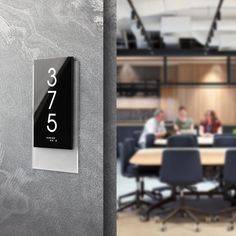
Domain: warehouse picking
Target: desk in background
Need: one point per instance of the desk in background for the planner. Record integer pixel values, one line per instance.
(202, 141)
(153, 156)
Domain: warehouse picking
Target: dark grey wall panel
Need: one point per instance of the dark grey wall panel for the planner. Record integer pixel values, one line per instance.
(110, 118)
(39, 202)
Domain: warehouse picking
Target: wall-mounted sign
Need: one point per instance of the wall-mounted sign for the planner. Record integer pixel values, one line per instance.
(53, 103)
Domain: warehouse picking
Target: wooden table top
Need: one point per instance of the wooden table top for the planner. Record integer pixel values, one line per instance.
(201, 141)
(153, 156)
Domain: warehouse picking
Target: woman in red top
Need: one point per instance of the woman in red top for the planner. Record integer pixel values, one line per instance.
(210, 125)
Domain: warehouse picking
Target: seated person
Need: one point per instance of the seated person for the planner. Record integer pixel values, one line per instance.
(210, 125)
(183, 122)
(154, 125)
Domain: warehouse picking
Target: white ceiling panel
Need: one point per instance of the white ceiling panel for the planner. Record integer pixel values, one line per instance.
(176, 19)
(175, 24)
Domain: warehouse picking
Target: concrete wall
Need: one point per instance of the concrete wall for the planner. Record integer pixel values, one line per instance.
(36, 202)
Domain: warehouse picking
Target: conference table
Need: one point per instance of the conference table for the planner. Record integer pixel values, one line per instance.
(153, 156)
(202, 141)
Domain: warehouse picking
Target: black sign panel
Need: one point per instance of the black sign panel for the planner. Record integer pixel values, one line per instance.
(53, 103)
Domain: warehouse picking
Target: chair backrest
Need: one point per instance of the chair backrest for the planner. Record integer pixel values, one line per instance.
(223, 135)
(150, 139)
(224, 141)
(181, 167)
(230, 167)
(136, 136)
(126, 151)
(182, 141)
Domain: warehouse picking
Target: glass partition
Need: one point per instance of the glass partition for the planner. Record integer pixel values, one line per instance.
(139, 76)
(139, 69)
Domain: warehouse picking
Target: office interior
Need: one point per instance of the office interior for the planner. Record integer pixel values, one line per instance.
(172, 54)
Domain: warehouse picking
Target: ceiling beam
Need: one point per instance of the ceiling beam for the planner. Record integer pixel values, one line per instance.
(173, 52)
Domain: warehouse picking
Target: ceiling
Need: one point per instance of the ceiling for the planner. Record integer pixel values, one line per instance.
(178, 20)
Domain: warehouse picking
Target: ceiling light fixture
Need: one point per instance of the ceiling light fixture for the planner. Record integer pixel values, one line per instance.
(133, 15)
(217, 17)
(140, 25)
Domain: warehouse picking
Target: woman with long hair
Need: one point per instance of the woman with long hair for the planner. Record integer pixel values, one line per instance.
(210, 125)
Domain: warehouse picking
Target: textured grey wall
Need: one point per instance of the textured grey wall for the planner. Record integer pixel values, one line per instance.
(40, 202)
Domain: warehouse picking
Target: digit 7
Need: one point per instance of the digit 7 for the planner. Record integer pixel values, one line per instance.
(53, 97)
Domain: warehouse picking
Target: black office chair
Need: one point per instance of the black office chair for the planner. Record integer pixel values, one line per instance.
(229, 177)
(221, 141)
(150, 140)
(181, 169)
(127, 150)
(180, 141)
(224, 141)
(136, 136)
(222, 135)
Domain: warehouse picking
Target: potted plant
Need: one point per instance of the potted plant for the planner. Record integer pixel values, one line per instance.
(234, 132)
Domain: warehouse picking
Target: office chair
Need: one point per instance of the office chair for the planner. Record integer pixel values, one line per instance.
(178, 141)
(150, 139)
(221, 141)
(136, 136)
(181, 169)
(222, 135)
(229, 177)
(224, 141)
(126, 150)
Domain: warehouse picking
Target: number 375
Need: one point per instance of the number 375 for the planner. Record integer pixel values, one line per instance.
(52, 124)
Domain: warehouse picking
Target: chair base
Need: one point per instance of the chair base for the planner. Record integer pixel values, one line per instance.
(228, 210)
(139, 195)
(232, 220)
(137, 203)
(146, 215)
(185, 210)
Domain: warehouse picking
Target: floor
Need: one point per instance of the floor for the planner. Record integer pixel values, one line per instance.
(128, 223)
